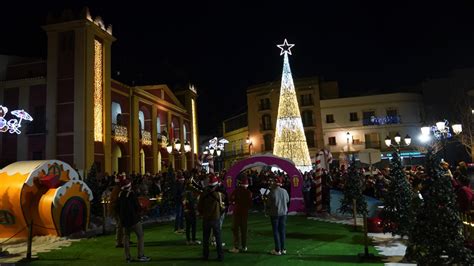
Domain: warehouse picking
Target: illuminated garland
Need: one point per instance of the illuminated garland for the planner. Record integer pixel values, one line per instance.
(12, 125)
(146, 138)
(290, 140)
(193, 114)
(120, 134)
(98, 91)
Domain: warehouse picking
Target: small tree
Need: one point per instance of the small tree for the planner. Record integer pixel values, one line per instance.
(397, 215)
(93, 182)
(353, 191)
(436, 237)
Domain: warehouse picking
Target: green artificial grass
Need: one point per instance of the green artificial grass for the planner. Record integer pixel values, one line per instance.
(308, 242)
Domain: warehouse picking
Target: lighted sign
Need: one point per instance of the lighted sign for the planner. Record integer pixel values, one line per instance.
(13, 125)
(384, 120)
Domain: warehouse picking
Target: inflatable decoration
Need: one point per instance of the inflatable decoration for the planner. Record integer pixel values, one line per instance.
(296, 179)
(48, 194)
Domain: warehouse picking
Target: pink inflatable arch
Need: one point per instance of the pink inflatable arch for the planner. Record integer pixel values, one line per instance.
(296, 200)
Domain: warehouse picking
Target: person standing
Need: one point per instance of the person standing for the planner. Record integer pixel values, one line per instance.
(225, 204)
(241, 197)
(308, 200)
(113, 206)
(128, 210)
(277, 208)
(209, 206)
(179, 219)
(190, 208)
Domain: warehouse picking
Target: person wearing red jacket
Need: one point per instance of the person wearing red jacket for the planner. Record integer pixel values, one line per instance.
(241, 197)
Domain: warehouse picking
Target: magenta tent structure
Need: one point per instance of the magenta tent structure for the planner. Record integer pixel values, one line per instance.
(296, 194)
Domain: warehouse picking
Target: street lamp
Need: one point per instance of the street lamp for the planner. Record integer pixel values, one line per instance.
(177, 145)
(187, 146)
(441, 132)
(348, 138)
(398, 140)
(249, 142)
(169, 148)
(211, 149)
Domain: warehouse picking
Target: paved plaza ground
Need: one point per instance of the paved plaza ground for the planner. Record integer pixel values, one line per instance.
(309, 242)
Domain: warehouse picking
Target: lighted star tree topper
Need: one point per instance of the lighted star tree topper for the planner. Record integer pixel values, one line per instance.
(290, 140)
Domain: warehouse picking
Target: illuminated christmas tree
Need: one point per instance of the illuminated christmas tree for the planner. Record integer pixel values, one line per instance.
(290, 140)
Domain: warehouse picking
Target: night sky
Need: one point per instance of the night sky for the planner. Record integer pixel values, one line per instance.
(225, 46)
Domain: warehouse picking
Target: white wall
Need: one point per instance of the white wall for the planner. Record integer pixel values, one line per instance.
(408, 105)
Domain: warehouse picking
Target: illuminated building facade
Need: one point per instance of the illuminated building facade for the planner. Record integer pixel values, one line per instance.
(83, 116)
(263, 99)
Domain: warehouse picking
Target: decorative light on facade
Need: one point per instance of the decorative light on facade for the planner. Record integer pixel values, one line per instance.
(13, 125)
(98, 91)
(290, 140)
(193, 111)
(120, 134)
(146, 138)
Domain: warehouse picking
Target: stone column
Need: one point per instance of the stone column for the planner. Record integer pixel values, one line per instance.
(135, 136)
(107, 119)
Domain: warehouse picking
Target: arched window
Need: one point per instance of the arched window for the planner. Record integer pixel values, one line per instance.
(141, 118)
(266, 122)
(185, 132)
(158, 125)
(310, 138)
(307, 117)
(267, 139)
(116, 110)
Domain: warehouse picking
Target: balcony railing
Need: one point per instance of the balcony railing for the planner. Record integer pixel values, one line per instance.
(119, 133)
(383, 120)
(146, 138)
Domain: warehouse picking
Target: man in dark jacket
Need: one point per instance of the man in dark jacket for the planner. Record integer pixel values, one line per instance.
(209, 206)
(128, 210)
(241, 197)
(113, 204)
(178, 197)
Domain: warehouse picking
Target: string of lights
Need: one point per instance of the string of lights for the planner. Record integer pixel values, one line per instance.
(290, 140)
(98, 91)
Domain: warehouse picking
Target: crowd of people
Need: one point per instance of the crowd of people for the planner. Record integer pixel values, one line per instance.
(190, 195)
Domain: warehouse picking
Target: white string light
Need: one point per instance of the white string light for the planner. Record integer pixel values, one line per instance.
(12, 125)
(98, 91)
(290, 140)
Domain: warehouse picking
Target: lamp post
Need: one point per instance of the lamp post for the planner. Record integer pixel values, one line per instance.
(176, 148)
(216, 147)
(398, 142)
(348, 138)
(249, 142)
(441, 132)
